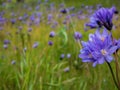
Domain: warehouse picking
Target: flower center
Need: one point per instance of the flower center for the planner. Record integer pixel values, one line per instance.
(90, 55)
(102, 38)
(104, 52)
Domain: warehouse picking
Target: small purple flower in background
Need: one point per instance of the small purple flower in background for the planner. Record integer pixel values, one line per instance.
(2, 20)
(62, 56)
(50, 16)
(32, 17)
(72, 8)
(25, 49)
(35, 45)
(37, 8)
(64, 11)
(68, 55)
(98, 49)
(13, 21)
(39, 14)
(29, 29)
(102, 17)
(13, 62)
(77, 36)
(80, 12)
(67, 69)
(50, 43)
(20, 18)
(6, 41)
(73, 14)
(5, 46)
(52, 34)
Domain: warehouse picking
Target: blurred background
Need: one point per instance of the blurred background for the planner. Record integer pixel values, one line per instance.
(38, 46)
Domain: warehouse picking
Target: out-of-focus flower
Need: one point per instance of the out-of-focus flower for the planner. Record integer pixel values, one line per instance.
(29, 29)
(67, 69)
(77, 36)
(5, 46)
(50, 16)
(68, 55)
(64, 11)
(62, 56)
(52, 34)
(6, 41)
(35, 45)
(50, 43)
(13, 62)
(13, 21)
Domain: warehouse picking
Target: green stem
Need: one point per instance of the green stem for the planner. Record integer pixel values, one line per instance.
(112, 74)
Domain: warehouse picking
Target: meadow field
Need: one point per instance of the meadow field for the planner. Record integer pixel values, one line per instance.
(39, 46)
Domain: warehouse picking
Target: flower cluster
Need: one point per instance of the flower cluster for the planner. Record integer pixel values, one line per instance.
(100, 46)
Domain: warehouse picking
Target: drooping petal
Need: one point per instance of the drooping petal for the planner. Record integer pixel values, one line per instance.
(101, 60)
(94, 63)
(113, 49)
(109, 58)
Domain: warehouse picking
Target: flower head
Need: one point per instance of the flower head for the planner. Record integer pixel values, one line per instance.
(52, 34)
(102, 17)
(98, 49)
(77, 36)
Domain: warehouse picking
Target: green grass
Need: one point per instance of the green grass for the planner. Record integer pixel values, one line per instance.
(41, 68)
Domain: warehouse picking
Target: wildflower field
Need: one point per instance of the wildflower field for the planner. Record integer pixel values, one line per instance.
(59, 45)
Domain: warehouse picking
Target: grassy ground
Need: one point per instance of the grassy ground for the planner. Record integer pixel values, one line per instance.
(41, 68)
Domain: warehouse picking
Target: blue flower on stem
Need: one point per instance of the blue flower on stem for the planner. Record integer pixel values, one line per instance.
(102, 17)
(98, 49)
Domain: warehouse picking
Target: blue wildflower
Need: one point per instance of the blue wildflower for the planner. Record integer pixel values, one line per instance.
(50, 43)
(68, 55)
(77, 36)
(62, 56)
(52, 34)
(98, 49)
(35, 45)
(102, 17)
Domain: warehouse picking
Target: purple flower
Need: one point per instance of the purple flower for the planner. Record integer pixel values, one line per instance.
(64, 11)
(50, 43)
(50, 16)
(2, 20)
(29, 29)
(35, 45)
(5, 46)
(6, 41)
(102, 17)
(67, 69)
(13, 21)
(98, 49)
(68, 55)
(13, 62)
(52, 34)
(62, 56)
(77, 36)
(20, 18)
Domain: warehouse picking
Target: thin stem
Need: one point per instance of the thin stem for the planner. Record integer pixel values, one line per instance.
(117, 68)
(112, 74)
(117, 64)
